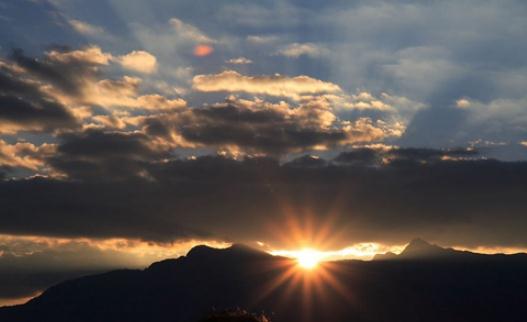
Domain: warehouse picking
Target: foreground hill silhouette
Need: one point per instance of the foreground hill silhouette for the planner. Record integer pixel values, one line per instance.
(424, 283)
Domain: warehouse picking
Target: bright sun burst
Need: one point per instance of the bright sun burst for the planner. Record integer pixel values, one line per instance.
(308, 258)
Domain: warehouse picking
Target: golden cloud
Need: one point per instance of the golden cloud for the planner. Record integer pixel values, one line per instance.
(91, 54)
(139, 61)
(276, 85)
(24, 154)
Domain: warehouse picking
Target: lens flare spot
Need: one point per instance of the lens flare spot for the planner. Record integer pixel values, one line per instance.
(203, 50)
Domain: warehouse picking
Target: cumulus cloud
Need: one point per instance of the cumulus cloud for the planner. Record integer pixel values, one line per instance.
(71, 80)
(124, 93)
(25, 155)
(243, 127)
(277, 85)
(296, 50)
(92, 55)
(139, 60)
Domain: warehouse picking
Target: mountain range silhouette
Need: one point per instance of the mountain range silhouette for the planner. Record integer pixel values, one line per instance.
(423, 283)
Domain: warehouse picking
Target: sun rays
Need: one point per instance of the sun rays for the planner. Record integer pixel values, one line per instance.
(306, 275)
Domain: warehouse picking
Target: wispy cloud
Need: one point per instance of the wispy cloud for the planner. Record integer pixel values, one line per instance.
(190, 32)
(296, 50)
(239, 61)
(85, 28)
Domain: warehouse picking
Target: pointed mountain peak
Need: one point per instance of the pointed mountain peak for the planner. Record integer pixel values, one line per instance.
(421, 248)
(420, 243)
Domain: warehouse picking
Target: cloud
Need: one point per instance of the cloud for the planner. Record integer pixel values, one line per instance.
(240, 126)
(136, 60)
(363, 101)
(256, 126)
(261, 39)
(124, 93)
(90, 55)
(277, 85)
(64, 70)
(239, 61)
(85, 28)
(24, 106)
(190, 32)
(24, 155)
(140, 61)
(465, 201)
(463, 103)
(105, 155)
(364, 130)
(496, 120)
(71, 80)
(296, 50)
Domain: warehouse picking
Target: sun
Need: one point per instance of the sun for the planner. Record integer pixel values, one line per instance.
(308, 258)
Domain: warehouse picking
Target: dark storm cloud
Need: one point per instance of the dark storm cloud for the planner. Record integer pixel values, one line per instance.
(359, 156)
(307, 161)
(429, 155)
(259, 130)
(390, 155)
(67, 73)
(465, 202)
(99, 155)
(42, 114)
(24, 105)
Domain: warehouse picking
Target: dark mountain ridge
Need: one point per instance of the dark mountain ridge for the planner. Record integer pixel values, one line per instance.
(424, 283)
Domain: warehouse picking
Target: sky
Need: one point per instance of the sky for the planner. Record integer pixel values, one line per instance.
(132, 130)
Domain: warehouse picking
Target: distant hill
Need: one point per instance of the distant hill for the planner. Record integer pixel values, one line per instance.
(424, 283)
(420, 249)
